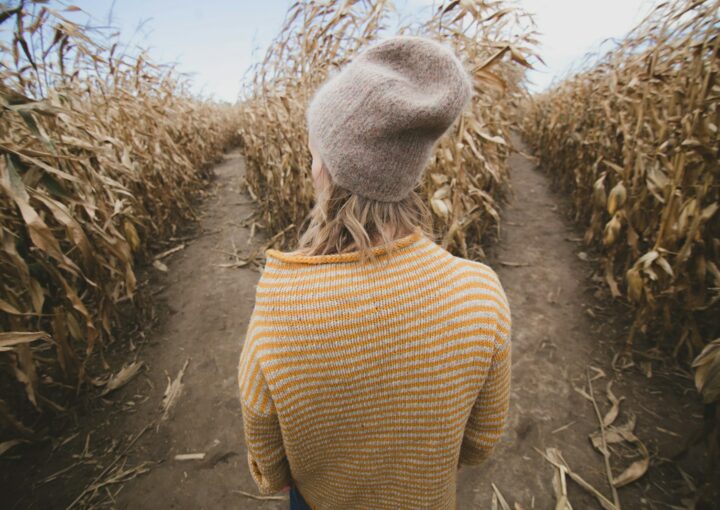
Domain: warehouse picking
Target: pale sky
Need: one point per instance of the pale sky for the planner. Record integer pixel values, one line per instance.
(216, 41)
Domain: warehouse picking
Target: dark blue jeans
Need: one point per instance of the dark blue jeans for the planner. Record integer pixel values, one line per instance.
(296, 500)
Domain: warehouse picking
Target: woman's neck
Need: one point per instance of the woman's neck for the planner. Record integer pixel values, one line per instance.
(390, 232)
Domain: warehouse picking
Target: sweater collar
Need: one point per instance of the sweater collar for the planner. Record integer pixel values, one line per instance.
(351, 256)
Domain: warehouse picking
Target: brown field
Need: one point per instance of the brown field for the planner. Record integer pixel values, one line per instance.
(134, 217)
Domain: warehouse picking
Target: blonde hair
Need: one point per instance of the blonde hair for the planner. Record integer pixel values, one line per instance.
(342, 221)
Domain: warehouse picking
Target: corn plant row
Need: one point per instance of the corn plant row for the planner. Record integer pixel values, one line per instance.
(635, 140)
(101, 152)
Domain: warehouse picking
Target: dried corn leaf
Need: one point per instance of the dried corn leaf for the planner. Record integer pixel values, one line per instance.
(173, 392)
(614, 410)
(122, 377)
(11, 339)
(7, 445)
(707, 372)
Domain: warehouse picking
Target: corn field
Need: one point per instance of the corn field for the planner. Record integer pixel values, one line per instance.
(101, 152)
(634, 139)
(468, 177)
(104, 154)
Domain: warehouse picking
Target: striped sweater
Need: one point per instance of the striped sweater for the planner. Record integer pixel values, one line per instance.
(366, 385)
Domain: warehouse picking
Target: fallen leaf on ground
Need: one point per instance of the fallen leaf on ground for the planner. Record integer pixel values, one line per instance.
(169, 252)
(625, 432)
(554, 457)
(599, 373)
(124, 376)
(6, 445)
(190, 456)
(612, 414)
(635, 471)
(559, 483)
(256, 496)
(173, 391)
(497, 496)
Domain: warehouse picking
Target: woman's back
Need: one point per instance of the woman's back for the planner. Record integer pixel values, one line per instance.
(370, 382)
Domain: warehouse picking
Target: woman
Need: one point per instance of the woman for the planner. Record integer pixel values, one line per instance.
(375, 362)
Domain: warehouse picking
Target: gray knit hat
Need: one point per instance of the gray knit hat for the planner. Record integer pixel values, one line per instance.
(376, 122)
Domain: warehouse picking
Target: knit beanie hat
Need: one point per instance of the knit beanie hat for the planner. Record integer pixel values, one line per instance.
(376, 122)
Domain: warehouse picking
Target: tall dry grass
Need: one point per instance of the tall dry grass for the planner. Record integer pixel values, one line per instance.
(635, 140)
(468, 175)
(101, 152)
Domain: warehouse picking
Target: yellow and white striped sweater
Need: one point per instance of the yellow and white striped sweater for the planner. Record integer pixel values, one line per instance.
(367, 385)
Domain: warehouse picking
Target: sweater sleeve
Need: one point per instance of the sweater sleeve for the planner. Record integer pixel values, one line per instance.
(489, 412)
(263, 438)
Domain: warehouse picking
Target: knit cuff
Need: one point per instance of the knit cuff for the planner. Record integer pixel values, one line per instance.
(270, 483)
(470, 455)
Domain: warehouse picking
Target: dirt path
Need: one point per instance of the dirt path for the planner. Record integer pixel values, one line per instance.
(562, 325)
